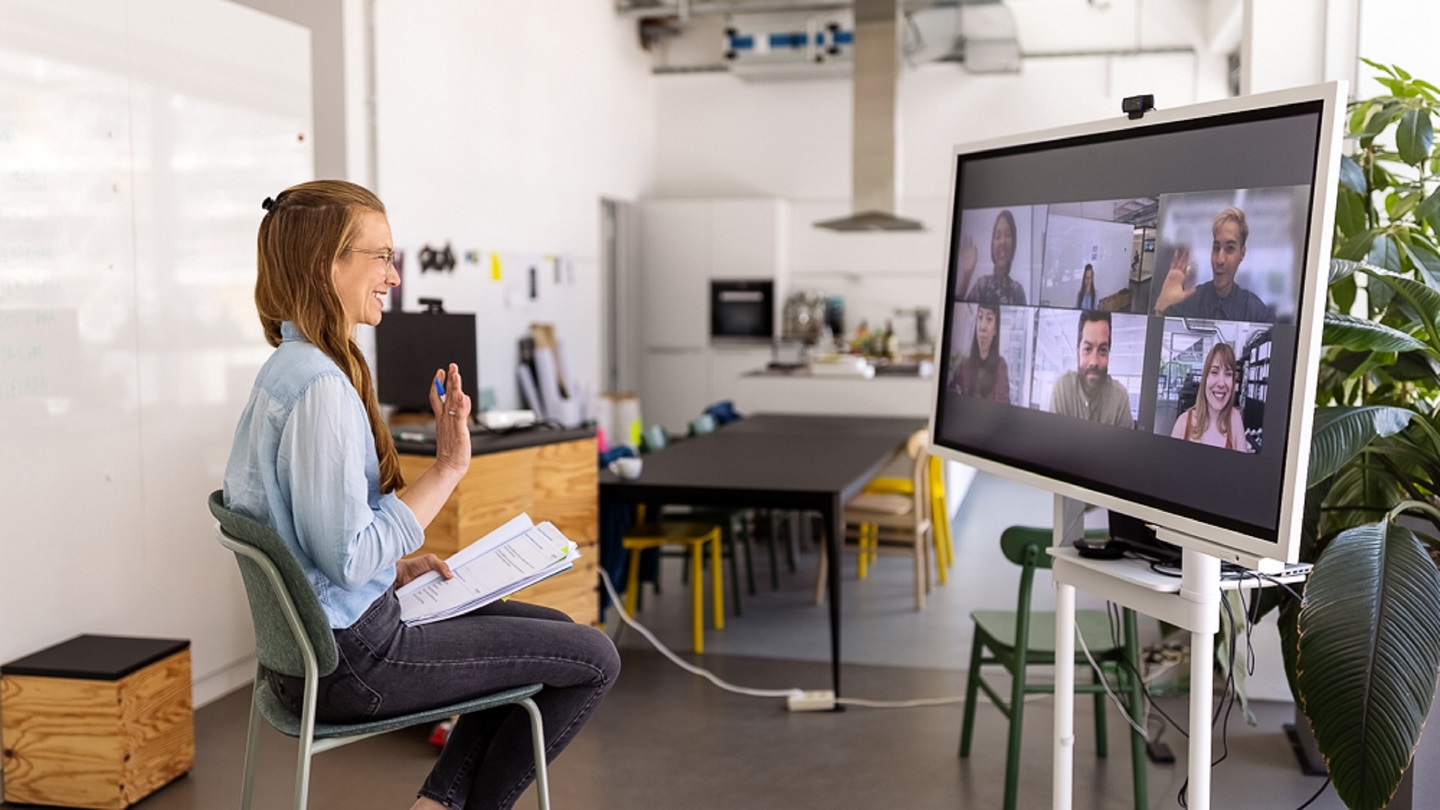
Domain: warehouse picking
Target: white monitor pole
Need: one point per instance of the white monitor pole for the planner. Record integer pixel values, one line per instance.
(1195, 608)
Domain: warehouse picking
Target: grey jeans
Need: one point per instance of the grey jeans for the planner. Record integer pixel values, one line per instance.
(388, 669)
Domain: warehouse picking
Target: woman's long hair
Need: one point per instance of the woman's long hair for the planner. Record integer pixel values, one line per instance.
(305, 230)
(1202, 415)
(1087, 284)
(984, 370)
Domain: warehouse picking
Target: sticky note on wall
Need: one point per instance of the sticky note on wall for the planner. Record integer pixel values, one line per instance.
(495, 274)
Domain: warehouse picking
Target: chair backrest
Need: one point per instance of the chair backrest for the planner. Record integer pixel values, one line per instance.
(268, 592)
(1025, 546)
(917, 448)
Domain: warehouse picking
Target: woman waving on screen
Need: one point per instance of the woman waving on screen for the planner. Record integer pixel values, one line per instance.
(1214, 419)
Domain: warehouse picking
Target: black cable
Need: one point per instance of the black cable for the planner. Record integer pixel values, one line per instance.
(1312, 799)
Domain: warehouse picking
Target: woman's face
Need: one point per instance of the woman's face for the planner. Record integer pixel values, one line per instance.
(1002, 244)
(1219, 384)
(1089, 280)
(985, 328)
(365, 272)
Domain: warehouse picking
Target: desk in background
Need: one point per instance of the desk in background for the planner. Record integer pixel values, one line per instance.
(775, 461)
(549, 474)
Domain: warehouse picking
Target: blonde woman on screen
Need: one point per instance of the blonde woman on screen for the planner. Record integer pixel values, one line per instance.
(1214, 419)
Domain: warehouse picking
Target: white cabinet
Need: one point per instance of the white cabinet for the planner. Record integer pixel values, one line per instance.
(749, 239)
(683, 245)
(674, 273)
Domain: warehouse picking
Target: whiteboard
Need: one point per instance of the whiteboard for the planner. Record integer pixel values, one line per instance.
(137, 140)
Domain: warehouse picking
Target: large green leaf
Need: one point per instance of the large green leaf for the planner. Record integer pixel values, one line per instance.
(1415, 136)
(1423, 301)
(1366, 335)
(1341, 432)
(1352, 176)
(1367, 657)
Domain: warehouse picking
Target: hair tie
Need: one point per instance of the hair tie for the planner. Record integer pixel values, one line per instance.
(268, 204)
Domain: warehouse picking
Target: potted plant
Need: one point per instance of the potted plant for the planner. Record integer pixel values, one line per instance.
(1362, 645)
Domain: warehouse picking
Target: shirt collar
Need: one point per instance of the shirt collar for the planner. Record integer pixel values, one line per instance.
(289, 331)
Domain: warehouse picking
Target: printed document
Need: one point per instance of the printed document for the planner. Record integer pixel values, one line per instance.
(514, 556)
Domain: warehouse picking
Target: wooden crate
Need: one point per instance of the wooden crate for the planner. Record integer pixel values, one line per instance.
(557, 482)
(96, 722)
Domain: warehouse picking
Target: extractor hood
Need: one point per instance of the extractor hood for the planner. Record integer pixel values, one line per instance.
(875, 161)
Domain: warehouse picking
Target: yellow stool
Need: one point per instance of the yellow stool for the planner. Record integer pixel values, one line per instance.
(695, 536)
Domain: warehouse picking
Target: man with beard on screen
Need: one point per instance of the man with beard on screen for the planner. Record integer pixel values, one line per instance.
(1088, 392)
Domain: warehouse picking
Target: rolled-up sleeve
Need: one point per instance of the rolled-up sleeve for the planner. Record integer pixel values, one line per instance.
(326, 453)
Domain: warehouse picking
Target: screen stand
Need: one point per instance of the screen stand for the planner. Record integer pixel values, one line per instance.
(1195, 608)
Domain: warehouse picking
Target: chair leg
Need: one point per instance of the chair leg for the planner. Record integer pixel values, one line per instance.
(306, 747)
(1017, 726)
(792, 552)
(537, 738)
(727, 536)
(1138, 766)
(972, 691)
(749, 565)
(717, 583)
(822, 577)
(697, 599)
(247, 787)
(632, 582)
(1102, 731)
(922, 578)
(770, 541)
(863, 532)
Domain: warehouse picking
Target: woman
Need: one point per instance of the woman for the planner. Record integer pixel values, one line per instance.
(997, 287)
(313, 460)
(1086, 298)
(984, 374)
(1214, 419)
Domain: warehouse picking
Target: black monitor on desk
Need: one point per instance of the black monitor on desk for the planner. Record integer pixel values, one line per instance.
(411, 346)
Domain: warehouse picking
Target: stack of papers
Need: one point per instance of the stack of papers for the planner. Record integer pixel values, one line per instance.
(514, 556)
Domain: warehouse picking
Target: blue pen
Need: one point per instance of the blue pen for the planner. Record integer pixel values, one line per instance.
(440, 388)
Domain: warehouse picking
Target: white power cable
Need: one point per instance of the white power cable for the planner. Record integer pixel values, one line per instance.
(1105, 682)
(742, 690)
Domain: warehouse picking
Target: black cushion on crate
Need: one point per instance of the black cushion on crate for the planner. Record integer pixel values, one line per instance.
(95, 658)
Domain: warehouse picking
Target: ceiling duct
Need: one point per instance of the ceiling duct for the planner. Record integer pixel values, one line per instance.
(876, 156)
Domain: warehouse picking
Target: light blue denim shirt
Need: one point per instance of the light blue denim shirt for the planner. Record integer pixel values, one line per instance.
(304, 464)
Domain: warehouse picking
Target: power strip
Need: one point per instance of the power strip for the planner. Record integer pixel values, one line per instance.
(811, 700)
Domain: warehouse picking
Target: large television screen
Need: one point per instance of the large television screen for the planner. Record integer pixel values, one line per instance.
(1133, 310)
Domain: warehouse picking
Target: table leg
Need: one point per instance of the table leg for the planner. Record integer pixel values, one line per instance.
(834, 519)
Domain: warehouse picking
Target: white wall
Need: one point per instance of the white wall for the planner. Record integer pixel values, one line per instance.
(137, 140)
(719, 136)
(501, 126)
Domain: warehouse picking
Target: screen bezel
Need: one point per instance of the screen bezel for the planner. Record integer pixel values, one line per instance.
(1226, 543)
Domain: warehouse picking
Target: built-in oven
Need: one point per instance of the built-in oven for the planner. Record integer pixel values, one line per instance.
(742, 309)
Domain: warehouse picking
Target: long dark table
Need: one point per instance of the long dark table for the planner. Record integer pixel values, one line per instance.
(775, 461)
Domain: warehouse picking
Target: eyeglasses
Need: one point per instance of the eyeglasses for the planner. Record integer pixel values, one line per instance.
(383, 254)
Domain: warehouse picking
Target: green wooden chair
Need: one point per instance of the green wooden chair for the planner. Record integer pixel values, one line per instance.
(1023, 638)
(293, 637)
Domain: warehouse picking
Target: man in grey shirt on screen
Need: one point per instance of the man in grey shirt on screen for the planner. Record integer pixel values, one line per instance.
(1089, 392)
(1222, 297)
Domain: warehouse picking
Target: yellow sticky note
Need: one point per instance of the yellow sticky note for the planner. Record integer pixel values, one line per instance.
(494, 266)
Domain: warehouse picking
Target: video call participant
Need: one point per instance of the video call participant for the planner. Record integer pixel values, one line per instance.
(1221, 298)
(1088, 392)
(1086, 298)
(983, 374)
(314, 461)
(1214, 419)
(998, 287)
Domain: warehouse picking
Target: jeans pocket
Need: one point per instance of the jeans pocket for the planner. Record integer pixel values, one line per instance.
(344, 697)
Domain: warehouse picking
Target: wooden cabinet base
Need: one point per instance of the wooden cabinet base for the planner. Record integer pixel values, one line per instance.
(74, 742)
(555, 482)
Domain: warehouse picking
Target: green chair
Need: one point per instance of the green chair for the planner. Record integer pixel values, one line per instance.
(293, 637)
(1023, 638)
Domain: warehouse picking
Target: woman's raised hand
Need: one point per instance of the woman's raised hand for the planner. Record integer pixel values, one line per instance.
(452, 419)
